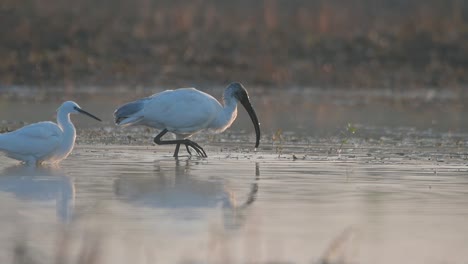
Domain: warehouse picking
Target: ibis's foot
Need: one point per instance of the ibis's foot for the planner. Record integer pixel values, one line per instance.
(200, 151)
(188, 143)
(188, 150)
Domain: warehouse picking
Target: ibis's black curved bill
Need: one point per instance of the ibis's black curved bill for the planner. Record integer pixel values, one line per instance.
(248, 107)
(88, 114)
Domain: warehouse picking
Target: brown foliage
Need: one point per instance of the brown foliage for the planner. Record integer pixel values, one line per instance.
(356, 43)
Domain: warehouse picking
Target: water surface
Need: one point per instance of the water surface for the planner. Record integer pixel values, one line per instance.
(394, 192)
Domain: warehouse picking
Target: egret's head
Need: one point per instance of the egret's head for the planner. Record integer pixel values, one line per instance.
(72, 108)
(69, 107)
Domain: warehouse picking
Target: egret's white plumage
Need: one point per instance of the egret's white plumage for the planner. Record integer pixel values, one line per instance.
(185, 112)
(43, 141)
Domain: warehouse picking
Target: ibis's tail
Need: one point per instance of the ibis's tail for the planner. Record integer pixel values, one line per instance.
(130, 113)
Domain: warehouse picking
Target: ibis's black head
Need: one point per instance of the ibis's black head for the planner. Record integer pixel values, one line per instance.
(238, 91)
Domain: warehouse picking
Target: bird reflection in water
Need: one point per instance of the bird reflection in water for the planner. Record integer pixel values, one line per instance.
(235, 217)
(38, 185)
(176, 188)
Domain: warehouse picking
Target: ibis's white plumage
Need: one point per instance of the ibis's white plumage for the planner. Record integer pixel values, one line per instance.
(183, 111)
(43, 141)
(186, 111)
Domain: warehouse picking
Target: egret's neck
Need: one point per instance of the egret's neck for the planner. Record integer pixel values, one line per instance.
(64, 122)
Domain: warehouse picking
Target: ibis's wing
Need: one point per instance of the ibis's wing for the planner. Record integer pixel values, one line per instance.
(182, 111)
(34, 139)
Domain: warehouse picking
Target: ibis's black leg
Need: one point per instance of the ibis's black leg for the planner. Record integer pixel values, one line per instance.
(188, 143)
(176, 152)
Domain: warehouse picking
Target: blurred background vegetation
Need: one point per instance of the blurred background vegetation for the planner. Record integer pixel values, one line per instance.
(397, 44)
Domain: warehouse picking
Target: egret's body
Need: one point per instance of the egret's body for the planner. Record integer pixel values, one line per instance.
(43, 141)
(185, 112)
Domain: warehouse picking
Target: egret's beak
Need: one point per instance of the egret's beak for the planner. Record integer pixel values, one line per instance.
(81, 111)
(248, 107)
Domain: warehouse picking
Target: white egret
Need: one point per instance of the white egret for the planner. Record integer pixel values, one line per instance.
(186, 111)
(44, 141)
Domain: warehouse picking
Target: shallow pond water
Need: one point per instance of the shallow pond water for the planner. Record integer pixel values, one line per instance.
(386, 194)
